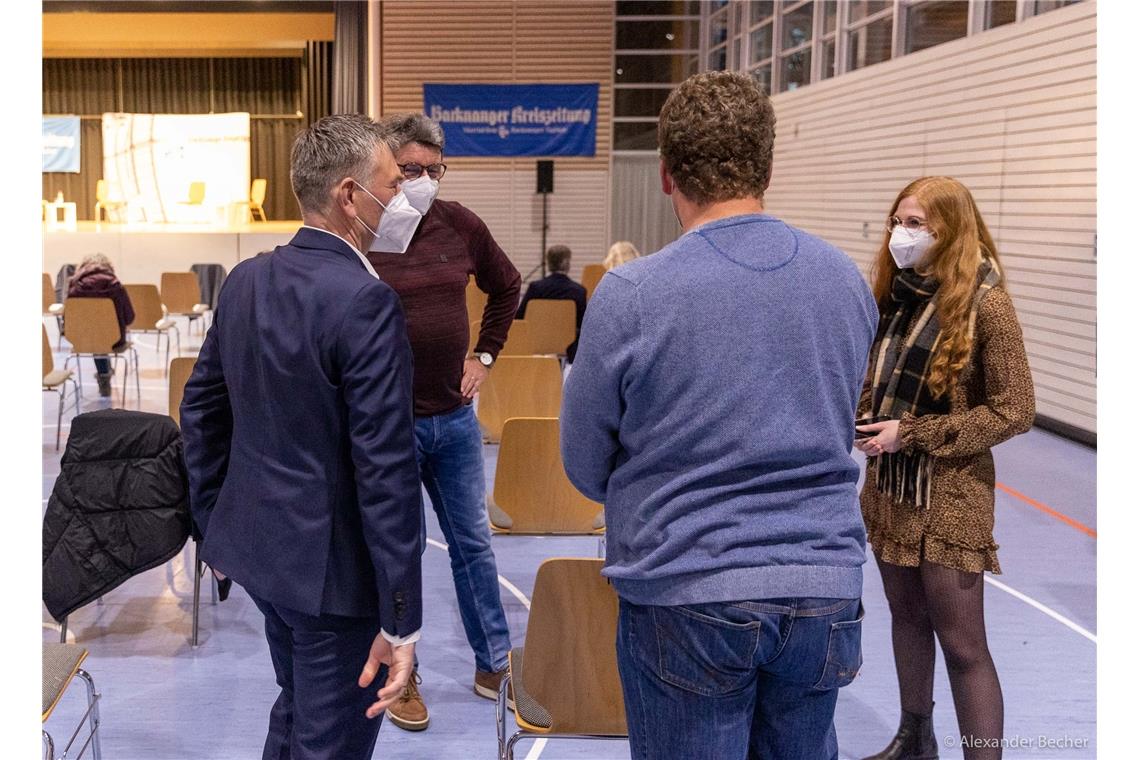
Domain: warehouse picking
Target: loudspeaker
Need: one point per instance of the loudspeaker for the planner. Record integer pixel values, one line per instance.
(545, 177)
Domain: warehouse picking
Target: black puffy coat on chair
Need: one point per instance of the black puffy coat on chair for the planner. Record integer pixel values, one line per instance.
(120, 506)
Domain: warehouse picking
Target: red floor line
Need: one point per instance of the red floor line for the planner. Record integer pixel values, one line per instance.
(1048, 510)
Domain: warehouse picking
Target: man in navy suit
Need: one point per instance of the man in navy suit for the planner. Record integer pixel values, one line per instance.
(557, 286)
(299, 440)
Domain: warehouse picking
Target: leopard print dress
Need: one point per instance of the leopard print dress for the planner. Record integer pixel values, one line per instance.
(992, 402)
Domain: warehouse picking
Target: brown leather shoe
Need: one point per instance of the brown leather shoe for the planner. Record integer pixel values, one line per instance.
(487, 685)
(409, 711)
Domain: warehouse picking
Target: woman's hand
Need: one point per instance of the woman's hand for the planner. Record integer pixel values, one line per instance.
(885, 442)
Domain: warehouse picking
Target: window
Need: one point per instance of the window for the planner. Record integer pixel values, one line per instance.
(657, 45)
(1000, 12)
(796, 22)
(932, 23)
(870, 43)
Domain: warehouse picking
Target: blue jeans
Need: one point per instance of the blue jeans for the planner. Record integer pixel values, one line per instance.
(449, 448)
(756, 679)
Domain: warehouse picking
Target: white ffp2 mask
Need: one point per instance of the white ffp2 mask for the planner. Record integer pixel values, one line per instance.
(397, 225)
(908, 248)
(420, 192)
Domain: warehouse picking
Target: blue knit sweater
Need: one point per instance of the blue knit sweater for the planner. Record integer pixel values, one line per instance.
(711, 407)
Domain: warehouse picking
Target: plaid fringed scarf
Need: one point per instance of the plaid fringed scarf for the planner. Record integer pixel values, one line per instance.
(902, 366)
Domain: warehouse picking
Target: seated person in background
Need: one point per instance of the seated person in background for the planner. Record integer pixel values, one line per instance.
(557, 286)
(619, 253)
(96, 278)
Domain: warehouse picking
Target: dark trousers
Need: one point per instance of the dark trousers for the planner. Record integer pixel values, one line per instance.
(319, 714)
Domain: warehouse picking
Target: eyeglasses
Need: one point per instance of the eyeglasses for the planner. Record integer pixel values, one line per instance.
(415, 171)
(911, 223)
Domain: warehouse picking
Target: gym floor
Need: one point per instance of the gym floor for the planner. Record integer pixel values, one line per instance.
(163, 700)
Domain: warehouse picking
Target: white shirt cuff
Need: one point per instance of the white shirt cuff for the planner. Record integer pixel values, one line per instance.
(399, 641)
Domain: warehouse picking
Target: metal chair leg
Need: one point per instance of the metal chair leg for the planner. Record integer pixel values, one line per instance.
(75, 394)
(50, 745)
(63, 630)
(213, 588)
(197, 592)
(92, 713)
(138, 383)
(59, 419)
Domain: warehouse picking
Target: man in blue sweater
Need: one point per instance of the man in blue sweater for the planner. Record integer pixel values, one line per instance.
(711, 408)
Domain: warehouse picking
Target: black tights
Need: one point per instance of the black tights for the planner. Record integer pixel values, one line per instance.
(934, 599)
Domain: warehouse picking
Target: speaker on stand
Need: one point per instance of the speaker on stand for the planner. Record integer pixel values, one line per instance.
(544, 171)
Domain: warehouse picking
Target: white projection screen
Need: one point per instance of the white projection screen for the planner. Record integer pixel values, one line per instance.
(150, 161)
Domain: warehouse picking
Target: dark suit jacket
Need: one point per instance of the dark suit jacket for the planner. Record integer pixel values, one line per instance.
(557, 287)
(300, 440)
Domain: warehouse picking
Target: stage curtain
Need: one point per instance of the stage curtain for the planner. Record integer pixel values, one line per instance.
(282, 95)
(350, 62)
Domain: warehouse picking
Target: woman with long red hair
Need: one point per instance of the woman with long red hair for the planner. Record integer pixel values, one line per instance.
(947, 380)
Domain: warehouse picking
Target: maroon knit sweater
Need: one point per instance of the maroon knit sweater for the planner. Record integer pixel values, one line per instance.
(431, 280)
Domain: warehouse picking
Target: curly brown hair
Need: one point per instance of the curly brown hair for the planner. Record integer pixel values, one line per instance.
(715, 133)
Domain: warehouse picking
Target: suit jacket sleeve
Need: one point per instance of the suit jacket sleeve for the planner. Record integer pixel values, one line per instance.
(207, 426)
(375, 358)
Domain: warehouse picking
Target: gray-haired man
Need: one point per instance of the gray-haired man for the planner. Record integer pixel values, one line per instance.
(450, 244)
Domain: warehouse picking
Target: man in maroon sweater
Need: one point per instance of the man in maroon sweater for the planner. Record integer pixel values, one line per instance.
(450, 244)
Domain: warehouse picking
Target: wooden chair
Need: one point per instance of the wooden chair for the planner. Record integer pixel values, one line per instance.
(476, 301)
(519, 386)
(93, 330)
(56, 380)
(591, 275)
(256, 199)
(552, 324)
(565, 677)
(182, 297)
(180, 369)
(519, 340)
(150, 317)
(52, 308)
(103, 203)
(60, 666)
(532, 493)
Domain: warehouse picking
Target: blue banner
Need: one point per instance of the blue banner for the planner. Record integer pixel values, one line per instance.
(515, 119)
(61, 144)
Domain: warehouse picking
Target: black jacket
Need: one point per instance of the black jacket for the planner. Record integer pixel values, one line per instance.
(120, 506)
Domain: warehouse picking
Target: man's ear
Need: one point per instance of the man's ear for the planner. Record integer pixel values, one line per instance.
(344, 192)
(667, 185)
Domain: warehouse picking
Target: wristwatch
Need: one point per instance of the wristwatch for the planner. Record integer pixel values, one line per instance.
(485, 359)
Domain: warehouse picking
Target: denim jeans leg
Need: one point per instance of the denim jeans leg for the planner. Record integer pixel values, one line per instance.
(452, 473)
(689, 683)
(102, 365)
(797, 691)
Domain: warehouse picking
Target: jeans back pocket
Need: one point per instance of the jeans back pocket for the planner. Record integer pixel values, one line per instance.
(844, 653)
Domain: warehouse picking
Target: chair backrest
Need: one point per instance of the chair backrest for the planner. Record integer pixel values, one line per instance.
(257, 192)
(476, 301)
(570, 663)
(591, 276)
(49, 292)
(92, 326)
(197, 193)
(519, 386)
(519, 340)
(147, 305)
(531, 485)
(552, 324)
(180, 292)
(49, 360)
(180, 369)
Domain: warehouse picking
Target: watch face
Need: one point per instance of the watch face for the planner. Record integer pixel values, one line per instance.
(485, 360)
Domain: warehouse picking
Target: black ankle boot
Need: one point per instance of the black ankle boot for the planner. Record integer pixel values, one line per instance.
(914, 740)
(104, 381)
